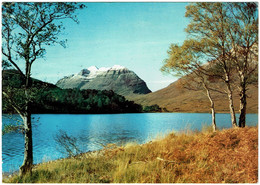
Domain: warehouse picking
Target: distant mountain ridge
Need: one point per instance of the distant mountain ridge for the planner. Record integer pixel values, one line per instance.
(176, 98)
(117, 78)
(48, 98)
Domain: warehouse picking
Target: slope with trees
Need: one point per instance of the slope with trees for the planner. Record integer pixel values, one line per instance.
(48, 98)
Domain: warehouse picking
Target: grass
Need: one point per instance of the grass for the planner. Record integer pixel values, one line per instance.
(227, 156)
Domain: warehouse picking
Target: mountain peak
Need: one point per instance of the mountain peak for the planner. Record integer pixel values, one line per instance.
(93, 68)
(102, 69)
(118, 67)
(117, 78)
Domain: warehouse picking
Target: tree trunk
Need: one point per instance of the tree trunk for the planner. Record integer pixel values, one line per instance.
(28, 143)
(231, 105)
(212, 107)
(214, 126)
(28, 146)
(242, 117)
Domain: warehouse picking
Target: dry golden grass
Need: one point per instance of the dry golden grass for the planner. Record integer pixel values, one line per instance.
(229, 156)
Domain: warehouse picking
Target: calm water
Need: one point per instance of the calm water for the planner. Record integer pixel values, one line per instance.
(93, 131)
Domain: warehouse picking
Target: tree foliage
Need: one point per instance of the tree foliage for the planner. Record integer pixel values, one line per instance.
(227, 34)
(187, 63)
(27, 28)
(224, 36)
(153, 108)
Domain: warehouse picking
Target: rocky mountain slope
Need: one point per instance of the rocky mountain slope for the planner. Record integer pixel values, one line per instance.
(116, 78)
(178, 99)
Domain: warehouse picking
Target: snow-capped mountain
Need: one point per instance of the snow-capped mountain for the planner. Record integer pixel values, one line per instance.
(116, 78)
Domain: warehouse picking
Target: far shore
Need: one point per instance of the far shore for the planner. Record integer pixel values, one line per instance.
(218, 112)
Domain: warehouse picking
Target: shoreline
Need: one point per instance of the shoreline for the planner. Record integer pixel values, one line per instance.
(178, 151)
(190, 112)
(95, 153)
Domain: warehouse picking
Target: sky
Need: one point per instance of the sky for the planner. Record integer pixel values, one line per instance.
(133, 35)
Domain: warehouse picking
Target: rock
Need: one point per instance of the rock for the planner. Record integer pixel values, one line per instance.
(116, 78)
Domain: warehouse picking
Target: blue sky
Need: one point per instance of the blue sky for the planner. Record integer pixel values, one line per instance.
(134, 35)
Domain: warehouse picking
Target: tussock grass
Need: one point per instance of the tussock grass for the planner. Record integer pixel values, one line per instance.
(229, 156)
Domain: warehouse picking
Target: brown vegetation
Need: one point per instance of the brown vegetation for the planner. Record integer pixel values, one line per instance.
(227, 156)
(175, 98)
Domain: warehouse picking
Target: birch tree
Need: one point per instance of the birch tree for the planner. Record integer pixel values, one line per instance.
(226, 34)
(184, 62)
(243, 34)
(27, 28)
(208, 26)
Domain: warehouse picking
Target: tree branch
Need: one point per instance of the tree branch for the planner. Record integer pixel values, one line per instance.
(13, 104)
(14, 64)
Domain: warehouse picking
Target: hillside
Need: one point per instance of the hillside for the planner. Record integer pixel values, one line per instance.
(178, 99)
(48, 98)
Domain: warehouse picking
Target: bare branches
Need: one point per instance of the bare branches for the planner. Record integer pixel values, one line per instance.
(28, 27)
(14, 64)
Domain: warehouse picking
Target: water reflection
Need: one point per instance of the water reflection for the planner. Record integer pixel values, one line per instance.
(95, 131)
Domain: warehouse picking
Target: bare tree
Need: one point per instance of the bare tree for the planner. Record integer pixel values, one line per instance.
(27, 28)
(67, 144)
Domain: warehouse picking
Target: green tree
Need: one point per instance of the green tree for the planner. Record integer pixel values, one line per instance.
(27, 28)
